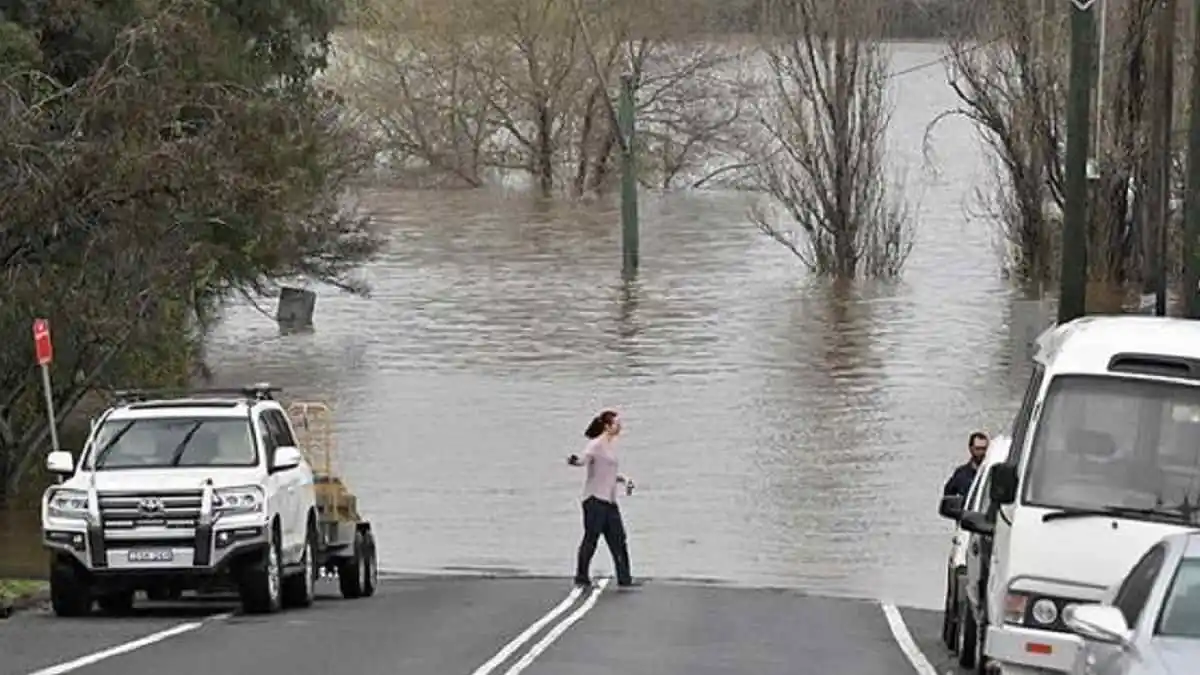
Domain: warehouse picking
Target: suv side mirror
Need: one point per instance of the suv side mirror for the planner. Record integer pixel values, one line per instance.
(60, 462)
(952, 507)
(286, 457)
(1003, 481)
(977, 523)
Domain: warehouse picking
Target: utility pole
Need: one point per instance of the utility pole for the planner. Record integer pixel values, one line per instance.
(1158, 180)
(1072, 301)
(1191, 209)
(629, 205)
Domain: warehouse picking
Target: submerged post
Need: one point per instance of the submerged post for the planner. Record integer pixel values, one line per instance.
(629, 207)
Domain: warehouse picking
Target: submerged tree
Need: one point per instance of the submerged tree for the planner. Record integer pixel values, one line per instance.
(822, 165)
(1011, 81)
(463, 91)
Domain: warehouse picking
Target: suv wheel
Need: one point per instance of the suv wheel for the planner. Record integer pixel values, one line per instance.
(950, 625)
(118, 603)
(967, 636)
(261, 584)
(299, 589)
(69, 593)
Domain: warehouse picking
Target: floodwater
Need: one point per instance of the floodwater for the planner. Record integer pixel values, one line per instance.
(781, 432)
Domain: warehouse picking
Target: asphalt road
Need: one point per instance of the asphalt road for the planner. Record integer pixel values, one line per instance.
(488, 626)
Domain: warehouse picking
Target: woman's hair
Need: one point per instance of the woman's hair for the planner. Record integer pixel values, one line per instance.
(600, 423)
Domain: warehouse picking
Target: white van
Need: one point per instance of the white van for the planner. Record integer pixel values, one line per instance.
(1105, 461)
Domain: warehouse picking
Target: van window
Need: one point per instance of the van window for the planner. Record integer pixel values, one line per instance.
(1025, 412)
(1106, 441)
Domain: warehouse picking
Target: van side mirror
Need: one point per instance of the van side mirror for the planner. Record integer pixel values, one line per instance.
(952, 506)
(1003, 483)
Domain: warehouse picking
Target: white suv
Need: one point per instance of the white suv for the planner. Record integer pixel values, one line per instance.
(189, 493)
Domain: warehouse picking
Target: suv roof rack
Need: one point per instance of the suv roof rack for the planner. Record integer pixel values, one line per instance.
(261, 391)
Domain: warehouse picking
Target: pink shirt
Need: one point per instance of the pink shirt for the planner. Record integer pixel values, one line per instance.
(600, 459)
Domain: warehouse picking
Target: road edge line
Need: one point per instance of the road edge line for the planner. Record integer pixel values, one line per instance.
(905, 641)
(526, 635)
(557, 632)
(125, 648)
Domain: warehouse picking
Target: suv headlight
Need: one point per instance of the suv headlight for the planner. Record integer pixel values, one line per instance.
(238, 500)
(68, 504)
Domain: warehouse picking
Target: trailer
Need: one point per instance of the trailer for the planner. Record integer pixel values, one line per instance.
(347, 546)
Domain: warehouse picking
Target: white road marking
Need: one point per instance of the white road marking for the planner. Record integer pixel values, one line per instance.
(509, 649)
(905, 640)
(558, 630)
(128, 646)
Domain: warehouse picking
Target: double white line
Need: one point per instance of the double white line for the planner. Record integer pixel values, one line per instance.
(536, 627)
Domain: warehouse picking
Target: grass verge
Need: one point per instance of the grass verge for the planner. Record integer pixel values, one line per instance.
(19, 593)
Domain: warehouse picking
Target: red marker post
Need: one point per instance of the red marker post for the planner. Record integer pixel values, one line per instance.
(44, 349)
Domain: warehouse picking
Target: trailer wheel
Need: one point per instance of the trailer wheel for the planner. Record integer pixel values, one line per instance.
(352, 572)
(371, 579)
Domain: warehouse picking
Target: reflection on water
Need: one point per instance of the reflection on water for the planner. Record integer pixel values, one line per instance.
(781, 431)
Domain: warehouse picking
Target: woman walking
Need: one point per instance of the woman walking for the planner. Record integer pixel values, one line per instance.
(601, 515)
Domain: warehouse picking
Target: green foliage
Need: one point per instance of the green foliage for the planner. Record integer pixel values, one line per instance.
(156, 160)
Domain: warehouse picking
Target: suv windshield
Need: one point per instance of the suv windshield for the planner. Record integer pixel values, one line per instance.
(176, 441)
(1107, 441)
(1181, 612)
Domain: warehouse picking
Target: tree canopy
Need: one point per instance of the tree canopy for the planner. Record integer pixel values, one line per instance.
(157, 159)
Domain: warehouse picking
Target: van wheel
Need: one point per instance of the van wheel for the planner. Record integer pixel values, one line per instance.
(352, 572)
(69, 593)
(967, 638)
(299, 589)
(261, 583)
(981, 660)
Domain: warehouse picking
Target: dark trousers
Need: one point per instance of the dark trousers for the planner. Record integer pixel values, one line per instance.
(602, 518)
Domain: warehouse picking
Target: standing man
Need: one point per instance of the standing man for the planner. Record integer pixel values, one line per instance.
(960, 481)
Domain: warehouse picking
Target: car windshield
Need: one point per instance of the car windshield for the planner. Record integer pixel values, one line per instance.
(1181, 612)
(1107, 441)
(178, 441)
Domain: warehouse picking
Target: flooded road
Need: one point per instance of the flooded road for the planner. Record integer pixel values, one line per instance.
(780, 432)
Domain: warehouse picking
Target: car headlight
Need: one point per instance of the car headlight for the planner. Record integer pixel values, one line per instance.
(68, 504)
(238, 500)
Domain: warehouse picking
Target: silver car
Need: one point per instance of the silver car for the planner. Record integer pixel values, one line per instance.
(1149, 623)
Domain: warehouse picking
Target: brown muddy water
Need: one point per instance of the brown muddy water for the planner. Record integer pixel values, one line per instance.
(781, 433)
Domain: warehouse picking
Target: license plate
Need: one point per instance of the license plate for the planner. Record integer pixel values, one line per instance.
(151, 556)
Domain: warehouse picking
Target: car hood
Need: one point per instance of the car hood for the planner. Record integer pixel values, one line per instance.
(166, 480)
(1177, 656)
(1086, 555)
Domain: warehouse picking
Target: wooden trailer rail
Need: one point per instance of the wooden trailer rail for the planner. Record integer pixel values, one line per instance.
(313, 423)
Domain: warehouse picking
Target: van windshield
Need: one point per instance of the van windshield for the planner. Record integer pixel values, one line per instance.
(1107, 441)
